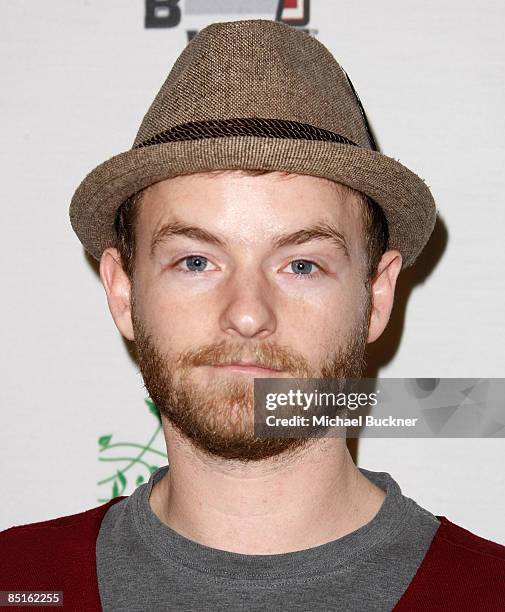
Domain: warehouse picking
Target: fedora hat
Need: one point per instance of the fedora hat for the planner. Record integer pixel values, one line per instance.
(256, 94)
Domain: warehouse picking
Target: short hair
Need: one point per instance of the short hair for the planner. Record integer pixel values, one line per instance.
(373, 220)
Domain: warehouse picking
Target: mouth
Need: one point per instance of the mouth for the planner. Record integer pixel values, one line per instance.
(247, 368)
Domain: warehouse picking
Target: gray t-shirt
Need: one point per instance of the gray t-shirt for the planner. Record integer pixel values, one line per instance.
(142, 564)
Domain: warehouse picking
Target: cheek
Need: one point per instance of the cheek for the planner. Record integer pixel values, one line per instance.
(178, 319)
(320, 310)
(314, 325)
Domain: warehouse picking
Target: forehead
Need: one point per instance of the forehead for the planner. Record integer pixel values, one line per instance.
(249, 209)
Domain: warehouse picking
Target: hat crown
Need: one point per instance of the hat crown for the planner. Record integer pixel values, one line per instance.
(256, 68)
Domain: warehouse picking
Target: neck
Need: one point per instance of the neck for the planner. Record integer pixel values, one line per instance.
(265, 507)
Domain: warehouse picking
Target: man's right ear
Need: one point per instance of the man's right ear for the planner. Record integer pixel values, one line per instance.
(117, 287)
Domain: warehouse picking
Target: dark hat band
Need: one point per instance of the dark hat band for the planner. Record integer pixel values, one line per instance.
(244, 126)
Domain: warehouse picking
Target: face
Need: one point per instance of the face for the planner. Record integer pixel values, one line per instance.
(271, 273)
(233, 268)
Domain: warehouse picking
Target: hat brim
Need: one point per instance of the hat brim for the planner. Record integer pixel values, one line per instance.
(405, 198)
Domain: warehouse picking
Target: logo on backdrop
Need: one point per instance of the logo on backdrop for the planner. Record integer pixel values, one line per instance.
(130, 461)
(170, 13)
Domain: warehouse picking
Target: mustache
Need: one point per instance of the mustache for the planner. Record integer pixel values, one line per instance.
(267, 355)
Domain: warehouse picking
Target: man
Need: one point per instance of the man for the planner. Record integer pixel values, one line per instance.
(253, 230)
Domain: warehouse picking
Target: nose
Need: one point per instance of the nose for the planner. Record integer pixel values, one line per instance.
(248, 310)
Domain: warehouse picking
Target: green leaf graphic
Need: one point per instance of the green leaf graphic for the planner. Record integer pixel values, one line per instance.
(153, 409)
(122, 478)
(128, 459)
(103, 441)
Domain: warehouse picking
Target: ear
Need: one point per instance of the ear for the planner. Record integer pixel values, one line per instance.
(383, 292)
(117, 287)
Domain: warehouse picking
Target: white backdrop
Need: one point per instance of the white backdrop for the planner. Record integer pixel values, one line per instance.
(77, 77)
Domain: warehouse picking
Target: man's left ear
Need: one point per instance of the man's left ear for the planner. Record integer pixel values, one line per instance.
(383, 292)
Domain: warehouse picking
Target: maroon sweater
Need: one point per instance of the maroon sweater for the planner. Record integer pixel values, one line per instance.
(461, 571)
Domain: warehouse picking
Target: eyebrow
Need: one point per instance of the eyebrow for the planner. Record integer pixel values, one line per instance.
(319, 231)
(177, 228)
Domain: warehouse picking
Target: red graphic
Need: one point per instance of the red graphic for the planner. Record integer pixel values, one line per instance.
(293, 12)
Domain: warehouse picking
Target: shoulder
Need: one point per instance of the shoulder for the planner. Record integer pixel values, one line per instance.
(470, 544)
(51, 546)
(461, 570)
(60, 524)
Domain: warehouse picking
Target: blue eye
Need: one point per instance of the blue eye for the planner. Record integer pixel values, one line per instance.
(197, 263)
(302, 266)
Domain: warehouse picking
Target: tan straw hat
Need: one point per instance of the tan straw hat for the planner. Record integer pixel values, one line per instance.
(256, 94)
